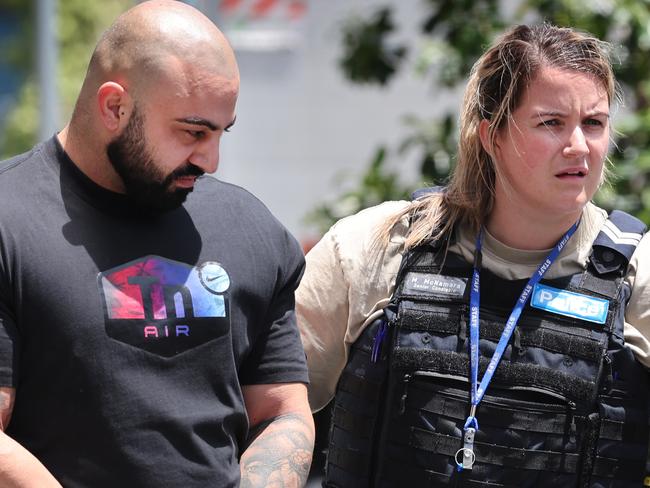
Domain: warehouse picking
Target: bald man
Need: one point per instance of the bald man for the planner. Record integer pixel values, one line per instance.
(147, 330)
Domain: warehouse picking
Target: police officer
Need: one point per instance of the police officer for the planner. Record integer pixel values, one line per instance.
(493, 332)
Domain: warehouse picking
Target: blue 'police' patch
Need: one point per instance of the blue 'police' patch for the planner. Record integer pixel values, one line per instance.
(570, 304)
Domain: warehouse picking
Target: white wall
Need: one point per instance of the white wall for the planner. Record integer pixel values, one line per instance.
(300, 123)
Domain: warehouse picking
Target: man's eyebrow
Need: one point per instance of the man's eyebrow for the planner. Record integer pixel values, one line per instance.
(204, 122)
(198, 121)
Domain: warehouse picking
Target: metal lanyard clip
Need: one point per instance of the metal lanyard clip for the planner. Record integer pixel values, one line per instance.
(466, 452)
(468, 448)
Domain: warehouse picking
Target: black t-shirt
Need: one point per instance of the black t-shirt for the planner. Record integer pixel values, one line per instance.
(127, 335)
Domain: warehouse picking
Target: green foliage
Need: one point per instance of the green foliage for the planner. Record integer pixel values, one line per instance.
(15, 51)
(378, 185)
(464, 40)
(368, 55)
(80, 22)
(457, 31)
(435, 141)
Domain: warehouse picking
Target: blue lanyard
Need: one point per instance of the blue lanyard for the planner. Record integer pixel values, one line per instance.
(478, 390)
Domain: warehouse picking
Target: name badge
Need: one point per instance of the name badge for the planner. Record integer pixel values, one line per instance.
(428, 284)
(569, 304)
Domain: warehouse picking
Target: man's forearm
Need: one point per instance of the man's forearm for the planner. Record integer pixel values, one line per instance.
(279, 453)
(20, 469)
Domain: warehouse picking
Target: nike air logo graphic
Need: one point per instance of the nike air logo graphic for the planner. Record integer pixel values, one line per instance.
(163, 306)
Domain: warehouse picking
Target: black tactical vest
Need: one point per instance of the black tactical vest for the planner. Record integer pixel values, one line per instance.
(567, 406)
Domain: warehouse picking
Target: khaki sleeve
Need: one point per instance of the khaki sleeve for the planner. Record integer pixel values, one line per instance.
(322, 312)
(348, 278)
(637, 312)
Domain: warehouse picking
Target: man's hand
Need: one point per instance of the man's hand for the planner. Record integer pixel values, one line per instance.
(281, 439)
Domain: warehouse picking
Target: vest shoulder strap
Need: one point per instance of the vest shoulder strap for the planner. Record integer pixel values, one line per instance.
(616, 242)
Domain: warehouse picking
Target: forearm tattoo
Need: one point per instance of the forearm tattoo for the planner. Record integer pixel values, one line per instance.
(278, 454)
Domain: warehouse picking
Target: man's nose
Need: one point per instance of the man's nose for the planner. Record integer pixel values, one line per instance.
(206, 156)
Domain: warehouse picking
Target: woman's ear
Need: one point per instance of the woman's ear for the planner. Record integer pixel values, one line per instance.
(114, 104)
(484, 135)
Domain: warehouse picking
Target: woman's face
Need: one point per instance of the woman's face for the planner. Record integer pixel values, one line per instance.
(549, 157)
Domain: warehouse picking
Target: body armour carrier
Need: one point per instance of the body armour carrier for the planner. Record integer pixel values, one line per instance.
(568, 403)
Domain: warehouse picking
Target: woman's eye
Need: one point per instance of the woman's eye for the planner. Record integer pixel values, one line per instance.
(549, 123)
(594, 122)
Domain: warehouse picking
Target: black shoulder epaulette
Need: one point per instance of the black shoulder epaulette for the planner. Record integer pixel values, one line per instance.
(616, 242)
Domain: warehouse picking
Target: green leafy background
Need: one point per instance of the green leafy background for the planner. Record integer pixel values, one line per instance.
(79, 25)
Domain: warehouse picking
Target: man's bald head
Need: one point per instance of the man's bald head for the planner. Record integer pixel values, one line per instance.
(154, 36)
(162, 72)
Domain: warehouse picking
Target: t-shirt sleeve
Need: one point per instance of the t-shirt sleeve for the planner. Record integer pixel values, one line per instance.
(637, 312)
(8, 334)
(277, 355)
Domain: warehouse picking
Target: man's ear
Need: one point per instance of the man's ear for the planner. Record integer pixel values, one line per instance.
(488, 145)
(115, 106)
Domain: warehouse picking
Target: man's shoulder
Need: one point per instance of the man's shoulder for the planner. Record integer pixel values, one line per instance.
(221, 210)
(11, 168)
(227, 199)
(232, 207)
(22, 178)
(212, 187)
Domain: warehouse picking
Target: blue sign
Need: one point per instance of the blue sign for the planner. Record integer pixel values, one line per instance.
(570, 304)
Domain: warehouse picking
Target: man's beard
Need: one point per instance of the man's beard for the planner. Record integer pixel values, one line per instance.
(144, 182)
